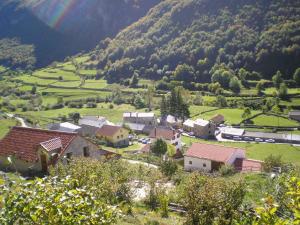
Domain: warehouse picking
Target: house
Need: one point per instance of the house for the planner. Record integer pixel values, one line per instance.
(295, 115)
(217, 119)
(170, 136)
(65, 127)
(115, 136)
(209, 157)
(148, 119)
(204, 129)
(201, 128)
(171, 121)
(90, 124)
(34, 150)
(188, 125)
(230, 133)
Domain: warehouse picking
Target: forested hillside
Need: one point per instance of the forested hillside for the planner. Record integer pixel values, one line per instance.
(205, 37)
(59, 28)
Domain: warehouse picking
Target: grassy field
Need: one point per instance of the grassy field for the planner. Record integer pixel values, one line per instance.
(102, 110)
(258, 151)
(96, 84)
(269, 120)
(5, 125)
(271, 91)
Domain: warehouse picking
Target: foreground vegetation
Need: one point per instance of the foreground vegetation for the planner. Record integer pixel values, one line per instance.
(93, 192)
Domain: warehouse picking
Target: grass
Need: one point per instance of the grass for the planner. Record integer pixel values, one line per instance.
(101, 110)
(196, 111)
(56, 74)
(258, 151)
(232, 116)
(271, 91)
(270, 120)
(134, 147)
(35, 80)
(88, 72)
(96, 84)
(5, 125)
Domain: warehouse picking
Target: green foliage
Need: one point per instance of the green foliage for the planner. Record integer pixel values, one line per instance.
(184, 73)
(53, 201)
(272, 161)
(212, 200)
(227, 170)
(198, 100)
(277, 79)
(283, 91)
(15, 54)
(235, 85)
(247, 113)
(175, 105)
(159, 147)
(168, 168)
(297, 76)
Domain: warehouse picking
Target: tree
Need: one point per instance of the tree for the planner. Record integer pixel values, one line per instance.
(164, 107)
(283, 91)
(159, 147)
(221, 101)
(138, 102)
(184, 73)
(222, 76)
(235, 85)
(297, 76)
(134, 80)
(260, 87)
(198, 100)
(247, 113)
(33, 90)
(54, 201)
(75, 117)
(277, 79)
(168, 168)
(149, 97)
(212, 201)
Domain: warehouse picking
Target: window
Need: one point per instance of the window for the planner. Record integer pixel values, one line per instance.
(86, 152)
(190, 162)
(69, 155)
(204, 164)
(118, 137)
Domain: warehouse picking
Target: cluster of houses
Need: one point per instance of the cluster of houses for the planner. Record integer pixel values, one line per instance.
(34, 150)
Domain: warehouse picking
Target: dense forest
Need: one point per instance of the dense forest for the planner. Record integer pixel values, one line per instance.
(206, 40)
(60, 28)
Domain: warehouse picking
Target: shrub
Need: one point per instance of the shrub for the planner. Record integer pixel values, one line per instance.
(272, 161)
(227, 170)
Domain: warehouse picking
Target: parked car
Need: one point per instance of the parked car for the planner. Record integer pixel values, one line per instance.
(259, 140)
(270, 141)
(248, 139)
(237, 138)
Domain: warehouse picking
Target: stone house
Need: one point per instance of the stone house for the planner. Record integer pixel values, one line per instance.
(34, 150)
(201, 128)
(91, 124)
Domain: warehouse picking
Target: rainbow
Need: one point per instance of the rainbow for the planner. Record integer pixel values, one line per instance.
(52, 12)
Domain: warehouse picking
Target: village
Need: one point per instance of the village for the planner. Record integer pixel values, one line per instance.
(34, 150)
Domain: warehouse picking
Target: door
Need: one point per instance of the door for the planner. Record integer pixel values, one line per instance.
(44, 163)
(215, 166)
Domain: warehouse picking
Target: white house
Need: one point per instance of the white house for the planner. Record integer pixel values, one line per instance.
(170, 136)
(65, 127)
(209, 157)
(148, 119)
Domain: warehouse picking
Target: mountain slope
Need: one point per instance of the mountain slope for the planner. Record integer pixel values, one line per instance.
(59, 28)
(261, 36)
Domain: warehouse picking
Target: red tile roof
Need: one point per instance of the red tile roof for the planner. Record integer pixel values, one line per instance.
(23, 143)
(211, 152)
(167, 134)
(53, 144)
(108, 130)
(246, 165)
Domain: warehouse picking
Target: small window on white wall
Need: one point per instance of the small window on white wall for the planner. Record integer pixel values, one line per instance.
(190, 162)
(204, 164)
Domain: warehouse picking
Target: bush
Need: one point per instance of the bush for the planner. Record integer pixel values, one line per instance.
(168, 168)
(227, 170)
(272, 161)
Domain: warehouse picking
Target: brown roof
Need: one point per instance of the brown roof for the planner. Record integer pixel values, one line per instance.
(167, 134)
(217, 118)
(53, 144)
(211, 152)
(108, 130)
(23, 142)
